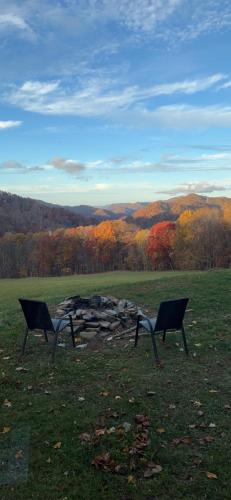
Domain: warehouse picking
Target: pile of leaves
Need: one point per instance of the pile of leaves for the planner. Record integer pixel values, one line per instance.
(133, 441)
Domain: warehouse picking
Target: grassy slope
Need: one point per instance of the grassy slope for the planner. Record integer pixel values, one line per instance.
(121, 371)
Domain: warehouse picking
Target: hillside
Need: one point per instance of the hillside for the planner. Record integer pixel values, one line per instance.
(23, 215)
(171, 209)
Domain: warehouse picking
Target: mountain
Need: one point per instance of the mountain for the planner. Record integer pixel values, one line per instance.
(23, 215)
(108, 212)
(171, 209)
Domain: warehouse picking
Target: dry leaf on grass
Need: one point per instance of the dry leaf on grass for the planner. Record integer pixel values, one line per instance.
(57, 445)
(211, 475)
(5, 430)
(100, 432)
(142, 420)
(160, 430)
(152, 470)
(85, 437)
(182, 440)
(206, 440)
(21, 369)
(7, 403)
(19, 454)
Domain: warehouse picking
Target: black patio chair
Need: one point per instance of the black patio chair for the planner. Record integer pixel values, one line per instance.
(170, 317)
(37, 317)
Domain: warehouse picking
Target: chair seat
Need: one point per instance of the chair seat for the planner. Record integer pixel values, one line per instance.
(148, 325)
(59, 324)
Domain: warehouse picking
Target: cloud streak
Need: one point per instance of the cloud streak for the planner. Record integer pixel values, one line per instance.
(5, 124)
(97, 98)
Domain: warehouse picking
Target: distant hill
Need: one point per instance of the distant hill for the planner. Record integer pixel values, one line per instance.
(108, 212)
(18, 214)
(171, 209)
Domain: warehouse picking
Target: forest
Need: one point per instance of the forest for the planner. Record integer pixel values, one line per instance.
(199, 239)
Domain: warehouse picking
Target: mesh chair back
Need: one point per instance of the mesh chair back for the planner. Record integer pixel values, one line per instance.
(171, 314)
(36, 315)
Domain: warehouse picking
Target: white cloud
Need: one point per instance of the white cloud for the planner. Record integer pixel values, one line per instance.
(98, 97)
(9, 124)
(181, 116)
(195, 187)
(13, 20)
(43, 189)
(69, 166)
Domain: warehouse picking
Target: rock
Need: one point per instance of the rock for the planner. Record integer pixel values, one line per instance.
(114, 325)
(105, 324)
(79, 322)
(88, 335)
(81, 346)
(89, 329)
(111, 312)
(91, 324)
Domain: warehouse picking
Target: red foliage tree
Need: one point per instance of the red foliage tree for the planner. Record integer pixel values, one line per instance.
(160, 244)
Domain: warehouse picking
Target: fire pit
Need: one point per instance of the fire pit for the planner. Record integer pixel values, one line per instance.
(100, 316)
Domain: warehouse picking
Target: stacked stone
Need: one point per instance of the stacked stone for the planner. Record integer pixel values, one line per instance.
(99, 315)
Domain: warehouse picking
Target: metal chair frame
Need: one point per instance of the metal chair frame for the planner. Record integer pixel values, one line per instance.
(170, 317)
(37, 317)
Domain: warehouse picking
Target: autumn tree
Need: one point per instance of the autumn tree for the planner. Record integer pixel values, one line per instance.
(160, 244)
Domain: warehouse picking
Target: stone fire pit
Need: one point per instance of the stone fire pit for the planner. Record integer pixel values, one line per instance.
(99, 316)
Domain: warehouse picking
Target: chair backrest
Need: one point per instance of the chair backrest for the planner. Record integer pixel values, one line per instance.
(171, 314)
(36, 315)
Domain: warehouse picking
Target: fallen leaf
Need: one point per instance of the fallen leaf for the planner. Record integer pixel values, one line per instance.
(19, 454)
(172, 407)
(160, 430)
(100, 432)
(211, 475)
(81, 399)
(227, 407)
(104, 461)
(48, 460)
(118, 397)
(111, 430)
(152, 470)
(182, 440)
(200, 413)
(7, 403)
(213, 391)
(85, 437)
(105, 394)
(57, 445)
(131, 479)
(206, 440)
(196, 404)
(212, 425)
(5, 430)
(131, 400)
(142, 420)
(21, 369)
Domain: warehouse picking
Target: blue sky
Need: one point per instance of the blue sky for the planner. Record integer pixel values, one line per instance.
(115, 100)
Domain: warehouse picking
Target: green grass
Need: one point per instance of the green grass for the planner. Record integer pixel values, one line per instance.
(45, 399)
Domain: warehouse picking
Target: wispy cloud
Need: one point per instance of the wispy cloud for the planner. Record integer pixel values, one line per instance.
(10, 19)
(98, 97)
(15, 166)
(195, 187)
(69, 166)
(9, 124)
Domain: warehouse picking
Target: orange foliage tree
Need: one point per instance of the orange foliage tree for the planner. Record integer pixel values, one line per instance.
(160, 244)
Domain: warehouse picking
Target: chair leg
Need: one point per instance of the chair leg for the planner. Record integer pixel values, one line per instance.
(164, 335)
(24, 340)
(45, 335)
(137, 332)
(54, 346)
(155, 347)
(72, 332)
(184, 340)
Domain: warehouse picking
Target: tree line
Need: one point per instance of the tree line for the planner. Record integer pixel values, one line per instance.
(200, 239)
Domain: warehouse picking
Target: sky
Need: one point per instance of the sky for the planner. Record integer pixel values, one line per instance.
(108, 101)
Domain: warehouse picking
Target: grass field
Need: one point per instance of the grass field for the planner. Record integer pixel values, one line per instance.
(59, 418)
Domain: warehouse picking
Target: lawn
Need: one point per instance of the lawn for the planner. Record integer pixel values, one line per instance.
(106, 423)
